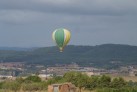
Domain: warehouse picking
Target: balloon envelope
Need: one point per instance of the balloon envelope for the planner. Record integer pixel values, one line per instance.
(61, 37)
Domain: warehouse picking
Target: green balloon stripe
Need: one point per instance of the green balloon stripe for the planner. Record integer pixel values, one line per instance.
(59, 37)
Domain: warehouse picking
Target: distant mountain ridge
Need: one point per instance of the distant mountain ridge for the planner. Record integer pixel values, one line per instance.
(17, 48)
(105, 55)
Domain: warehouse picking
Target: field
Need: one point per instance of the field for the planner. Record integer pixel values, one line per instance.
(22, 91)
(39, 91)
(127, 78)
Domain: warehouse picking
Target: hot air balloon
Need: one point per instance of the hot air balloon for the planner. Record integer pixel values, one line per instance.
(61, 37)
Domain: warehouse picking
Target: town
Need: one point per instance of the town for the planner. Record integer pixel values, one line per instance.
(11, 70)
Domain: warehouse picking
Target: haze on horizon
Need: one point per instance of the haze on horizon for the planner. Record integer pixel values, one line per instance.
(30, 23)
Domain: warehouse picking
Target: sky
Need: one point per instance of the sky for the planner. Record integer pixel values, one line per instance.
(30, 23)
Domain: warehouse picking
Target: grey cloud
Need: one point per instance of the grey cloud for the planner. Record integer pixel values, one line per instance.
(17, 16)
(31, 22)
(36, 10)
(92, 7)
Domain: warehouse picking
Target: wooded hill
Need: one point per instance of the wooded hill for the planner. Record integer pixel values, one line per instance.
(106, 55)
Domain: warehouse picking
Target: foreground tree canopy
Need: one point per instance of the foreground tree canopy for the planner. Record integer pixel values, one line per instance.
(81, 81)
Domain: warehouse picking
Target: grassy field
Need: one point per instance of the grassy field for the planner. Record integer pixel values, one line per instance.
(39, 91)
(23, 91)
(127, 78)
(133, 78)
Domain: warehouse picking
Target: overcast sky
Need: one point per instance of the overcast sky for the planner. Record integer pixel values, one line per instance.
(30, 23)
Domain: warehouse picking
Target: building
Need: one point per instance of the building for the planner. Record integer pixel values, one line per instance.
(65, 87)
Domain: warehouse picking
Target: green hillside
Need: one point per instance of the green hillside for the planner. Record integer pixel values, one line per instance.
(100, 55)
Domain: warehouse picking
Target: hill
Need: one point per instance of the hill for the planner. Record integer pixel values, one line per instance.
(16, 48)
(106, 55)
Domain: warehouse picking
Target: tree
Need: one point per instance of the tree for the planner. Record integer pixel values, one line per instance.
(32, 86)
(1, 84)
(76, 78)
(92, 82)
(19, 80)
(13, 85)
(81, 81)
(51, 81)
(70, 76)
(118, 83)
(33, 79)
(59, 79)
(104, 81)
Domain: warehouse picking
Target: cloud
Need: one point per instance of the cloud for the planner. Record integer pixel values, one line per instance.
(17, 16)
(18, 11)
(90, 21)
(98, 13)
(98, 7)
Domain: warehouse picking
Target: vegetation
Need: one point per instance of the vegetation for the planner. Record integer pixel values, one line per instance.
(113, 55)
(33, 79)
(81, 81)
